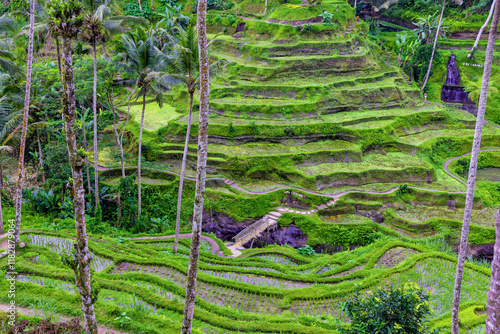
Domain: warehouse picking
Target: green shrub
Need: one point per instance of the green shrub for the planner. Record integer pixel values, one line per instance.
(307, 250)
(388, 310)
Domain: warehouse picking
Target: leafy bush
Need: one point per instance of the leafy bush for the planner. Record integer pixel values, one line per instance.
(307, 250)
(388, 310)
(231, 19)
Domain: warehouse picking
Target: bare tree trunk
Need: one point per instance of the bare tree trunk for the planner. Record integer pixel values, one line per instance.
(434, 48)
(183, 169)
(40, 153)
(1, 193)
(94, 110)
(119, 140)
(476, 145)
(139, 154)
(187, 321)
(493, 304)
(120, 145)
(86, 161)
(22, 145)
(82, 272)
(482, 29)
(58, 55)
(140, 6)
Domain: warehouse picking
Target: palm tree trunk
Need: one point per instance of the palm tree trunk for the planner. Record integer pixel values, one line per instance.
(139, 154)
(183, 169)
(119, 143)
(201, 171)
(86, 161)
(94, 110)
(476, 145)
(482, 29)
(40, 153)
(1, 193)
(434, 48)
(493, 304)
(22, 145)
(82, 272)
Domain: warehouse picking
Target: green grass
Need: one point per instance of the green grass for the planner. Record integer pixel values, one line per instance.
(392, 161)
(485, 217)
(154, 116)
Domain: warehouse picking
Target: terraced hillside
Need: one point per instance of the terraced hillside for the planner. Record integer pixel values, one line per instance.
(272, 290)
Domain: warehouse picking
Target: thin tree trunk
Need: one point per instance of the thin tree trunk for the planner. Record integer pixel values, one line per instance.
(434, 48)
(118, 141)
(201, 171)
(183, 168)
(22, 145)
(476, 145)
(482, 29)
(493, 304)
(1, 193)
(82, 272)
(40, 153)
(58, 55)
(152, 7)
(140, 152)
(140, 6)
(86, 161)
(94, 110)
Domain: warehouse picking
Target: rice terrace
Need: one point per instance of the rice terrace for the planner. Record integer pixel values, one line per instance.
(243, 166)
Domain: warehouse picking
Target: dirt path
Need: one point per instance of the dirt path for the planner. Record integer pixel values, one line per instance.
(32, 313)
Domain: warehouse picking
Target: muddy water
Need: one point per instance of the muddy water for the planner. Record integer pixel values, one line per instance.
(490, 174)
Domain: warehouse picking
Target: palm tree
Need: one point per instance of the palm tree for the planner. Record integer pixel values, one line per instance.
(96, 22)
(143, 61)
(493, 303)
(427, 75)
(66, 18)
(186, 69)
(201, 171)
(6, 57)
(19, 187)
(476, 145)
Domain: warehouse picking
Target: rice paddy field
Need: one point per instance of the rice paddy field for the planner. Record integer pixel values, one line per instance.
(262, 290)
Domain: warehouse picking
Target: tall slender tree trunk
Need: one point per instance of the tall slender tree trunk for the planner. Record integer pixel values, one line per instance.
(476, 145)
(94, 110)
(482, 29)
(140, 6)
(22, 145)
(40, 154)
(139, 154)
(493, 304)
(58, 55)
(201, 171)
(1, 193)
(82, 271)
(119, 143)
(183, 169)
(86, 161)
(434, 47)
